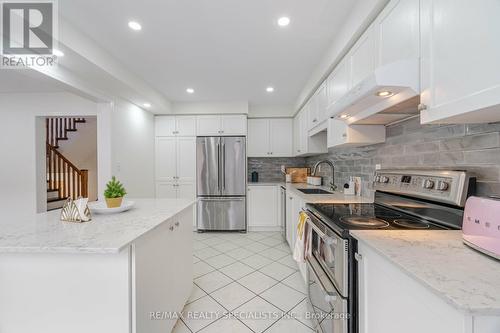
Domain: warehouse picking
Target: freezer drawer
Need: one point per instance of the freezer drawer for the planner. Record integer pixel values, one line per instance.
(223, 213)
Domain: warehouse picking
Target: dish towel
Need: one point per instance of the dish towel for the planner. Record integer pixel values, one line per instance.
(303, 241)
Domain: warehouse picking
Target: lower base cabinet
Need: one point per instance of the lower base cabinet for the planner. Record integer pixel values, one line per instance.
(262, 203)
(392, 302)
(294, 206)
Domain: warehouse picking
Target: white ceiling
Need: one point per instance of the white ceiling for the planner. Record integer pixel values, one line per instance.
(225, 49)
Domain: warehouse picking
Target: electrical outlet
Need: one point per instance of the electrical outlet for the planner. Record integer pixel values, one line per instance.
(378, 166)
(118, 167)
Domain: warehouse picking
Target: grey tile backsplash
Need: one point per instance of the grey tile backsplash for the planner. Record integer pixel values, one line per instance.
(473, 147)
(269, 168)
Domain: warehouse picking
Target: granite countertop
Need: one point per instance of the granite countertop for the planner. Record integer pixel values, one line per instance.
(338, 197)
(464, 278)
(45, 233)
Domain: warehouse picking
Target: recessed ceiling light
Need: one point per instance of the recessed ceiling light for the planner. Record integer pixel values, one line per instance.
(134, 25)
(58, 53)
(147, 105)
(269, 89)
(190, 90)
(344, 116)
(283, 21)
(384, 93)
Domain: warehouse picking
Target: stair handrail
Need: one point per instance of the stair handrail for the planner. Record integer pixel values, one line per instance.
(74, 180)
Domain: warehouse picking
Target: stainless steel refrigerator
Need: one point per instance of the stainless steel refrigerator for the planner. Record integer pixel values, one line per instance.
(221, 179)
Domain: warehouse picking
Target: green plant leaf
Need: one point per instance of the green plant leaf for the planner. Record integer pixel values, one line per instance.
(114, 189)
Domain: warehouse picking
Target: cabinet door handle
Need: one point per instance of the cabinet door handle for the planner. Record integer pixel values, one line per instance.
(422, 107)
(344, 135)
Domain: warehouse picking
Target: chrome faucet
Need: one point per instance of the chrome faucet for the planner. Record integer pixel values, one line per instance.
(330, 163)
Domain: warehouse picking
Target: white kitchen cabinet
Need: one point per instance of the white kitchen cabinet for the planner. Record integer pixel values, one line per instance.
(281, 132)
(234, 125)
(258, 138)
(313, 111)
(186, 190)
(398, 32)
(339, 83)
(460, 61)
(175, 125)
(341, 134)
(208, 125)
(166, 158)
(270, 137)
(166, 190)
(175, 167)
(178, 190)
(294, 205)
(213, 125)
(322, 102)
(162, 275)
(306, 144)
(262, 203)
(186, 159)
(289, 217)
(175, 159)
(362, 57)
(296, 135)
(415, 310)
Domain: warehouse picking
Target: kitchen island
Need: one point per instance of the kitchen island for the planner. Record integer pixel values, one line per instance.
(425, 281)
(116, 273)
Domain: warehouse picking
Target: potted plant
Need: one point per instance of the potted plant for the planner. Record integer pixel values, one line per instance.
(114, 193)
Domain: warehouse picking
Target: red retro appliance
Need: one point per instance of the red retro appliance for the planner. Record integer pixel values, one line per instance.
(481, 225)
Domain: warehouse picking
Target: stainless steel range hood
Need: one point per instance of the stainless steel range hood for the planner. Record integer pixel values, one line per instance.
(363, 105)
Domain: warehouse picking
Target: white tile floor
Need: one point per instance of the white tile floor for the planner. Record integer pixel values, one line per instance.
(245, 283)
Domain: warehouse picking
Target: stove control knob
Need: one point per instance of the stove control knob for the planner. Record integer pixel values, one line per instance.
(428, 184)
(377, 179)
(442, 186)
(384, 179)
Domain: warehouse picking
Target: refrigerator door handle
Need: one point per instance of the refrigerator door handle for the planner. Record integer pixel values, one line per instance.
(223, 199)
(218, 167)
(223, 166)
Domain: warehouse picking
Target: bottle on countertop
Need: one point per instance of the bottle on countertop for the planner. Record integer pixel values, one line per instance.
(255, 177)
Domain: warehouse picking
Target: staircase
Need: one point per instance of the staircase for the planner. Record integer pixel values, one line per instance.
(64, 179)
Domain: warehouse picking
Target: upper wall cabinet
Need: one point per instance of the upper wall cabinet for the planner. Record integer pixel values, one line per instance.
(270, 137)
(212, 125)
(385, 58)
(339, 82)
(362, 57)
(305, 144)
(397, 31)
(175, 126)
(460, 69)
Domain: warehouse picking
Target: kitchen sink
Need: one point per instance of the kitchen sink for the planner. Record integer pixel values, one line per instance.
(313, 191)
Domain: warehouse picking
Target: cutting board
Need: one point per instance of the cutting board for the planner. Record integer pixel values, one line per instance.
(299, 175)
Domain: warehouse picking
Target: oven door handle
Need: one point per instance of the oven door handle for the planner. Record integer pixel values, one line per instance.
(327, 239)
(330, 292)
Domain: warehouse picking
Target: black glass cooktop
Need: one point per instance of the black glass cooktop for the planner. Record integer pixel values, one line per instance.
(368, 217)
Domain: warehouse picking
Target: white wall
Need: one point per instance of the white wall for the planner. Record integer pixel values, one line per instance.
(133, 142)
(355, 24)
(236, 107)
(125, 134)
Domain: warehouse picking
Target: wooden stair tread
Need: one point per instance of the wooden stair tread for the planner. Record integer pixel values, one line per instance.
(57, 199)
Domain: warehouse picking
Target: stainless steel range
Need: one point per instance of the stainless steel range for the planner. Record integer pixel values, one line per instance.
(404, 199)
